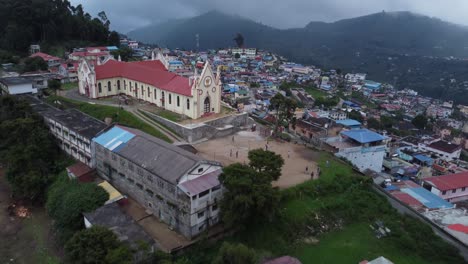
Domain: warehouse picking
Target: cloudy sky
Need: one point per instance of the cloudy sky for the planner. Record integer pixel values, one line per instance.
(126, 15)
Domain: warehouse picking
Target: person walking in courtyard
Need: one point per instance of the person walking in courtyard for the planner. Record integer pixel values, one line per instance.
(307, 170)
(289, 154)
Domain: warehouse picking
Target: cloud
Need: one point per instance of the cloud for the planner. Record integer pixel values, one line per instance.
(127, 15)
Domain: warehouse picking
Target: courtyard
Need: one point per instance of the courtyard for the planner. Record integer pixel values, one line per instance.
(235, 148)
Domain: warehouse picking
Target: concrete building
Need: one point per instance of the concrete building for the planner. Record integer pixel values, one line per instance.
(443, 149)
(17, 85)
(74, 130)
(451, 187)
(363, 148)
(178, 187)
(151, 82)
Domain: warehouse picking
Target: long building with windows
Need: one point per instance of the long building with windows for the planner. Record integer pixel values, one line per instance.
(178, 187)
(151, 81)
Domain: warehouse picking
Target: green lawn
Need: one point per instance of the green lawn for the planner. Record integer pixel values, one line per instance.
(315, 92)
(169, 115)
(69, 86)
(352, 245)
(118, 115)
(37, 228)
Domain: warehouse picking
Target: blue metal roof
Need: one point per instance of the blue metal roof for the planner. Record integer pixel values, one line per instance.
(363, 135)
(349, 122)
(427, 198)
(114, 139)
(423, 158)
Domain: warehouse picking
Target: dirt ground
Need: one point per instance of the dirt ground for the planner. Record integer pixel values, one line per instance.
(296, 157)
(26, 240)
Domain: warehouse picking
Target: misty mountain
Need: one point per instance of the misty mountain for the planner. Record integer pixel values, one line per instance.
(401, 48)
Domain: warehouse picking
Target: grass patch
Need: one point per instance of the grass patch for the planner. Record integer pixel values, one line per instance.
(161, 124)
(118, 115)
(343, 200)
(37, 230)
(69, 86)
(314, 92)
(352, 245)
(169, 115)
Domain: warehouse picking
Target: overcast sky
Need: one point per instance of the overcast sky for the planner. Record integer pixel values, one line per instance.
(126, 15)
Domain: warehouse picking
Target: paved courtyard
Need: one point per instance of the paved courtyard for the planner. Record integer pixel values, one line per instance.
(293, 171)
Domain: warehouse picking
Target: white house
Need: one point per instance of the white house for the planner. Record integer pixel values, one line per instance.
(17, 85)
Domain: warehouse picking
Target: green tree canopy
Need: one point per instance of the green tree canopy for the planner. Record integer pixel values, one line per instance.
(419, 121)
(266, 162)
(54, 85)
(284, 108)
(114, 39)
(250, 196)
(27, 149)
(34, 64)
(96, 245)
(68, 199)
(235, 254)
(124, 52)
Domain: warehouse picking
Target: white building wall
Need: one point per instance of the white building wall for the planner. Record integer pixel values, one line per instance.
(364, 158)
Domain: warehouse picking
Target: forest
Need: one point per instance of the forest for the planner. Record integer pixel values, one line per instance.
(49, 23)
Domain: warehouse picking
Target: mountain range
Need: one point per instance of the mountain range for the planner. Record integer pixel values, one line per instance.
(403, 48)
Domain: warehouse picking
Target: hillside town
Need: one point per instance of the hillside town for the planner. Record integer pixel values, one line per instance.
(212, 108)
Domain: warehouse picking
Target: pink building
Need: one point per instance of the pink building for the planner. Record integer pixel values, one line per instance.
(451, 187)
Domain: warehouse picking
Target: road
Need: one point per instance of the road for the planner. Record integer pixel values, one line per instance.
(404, 210)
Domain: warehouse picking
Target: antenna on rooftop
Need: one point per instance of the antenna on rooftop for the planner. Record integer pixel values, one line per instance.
(197, 39)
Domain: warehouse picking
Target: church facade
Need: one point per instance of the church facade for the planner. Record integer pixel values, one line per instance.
(150, 81)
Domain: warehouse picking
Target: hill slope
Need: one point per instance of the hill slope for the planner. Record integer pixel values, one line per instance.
(397, 47)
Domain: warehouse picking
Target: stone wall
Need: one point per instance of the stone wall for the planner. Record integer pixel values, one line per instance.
(216, 128)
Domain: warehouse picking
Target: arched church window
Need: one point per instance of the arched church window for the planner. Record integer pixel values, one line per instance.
(155, 94)
(170, 99)
(178, 101)
(125, 85)
(109, 88)
(188, 104)
(118, 84)
(99, 87)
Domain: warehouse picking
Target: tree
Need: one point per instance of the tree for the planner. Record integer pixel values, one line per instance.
(373, 123)
(235, 254)
(250, 196)
(237, 56)
(124, 52)
(114, 39)
(356, 115)
(29, 152)
(54, 85)
(96, 245)
(284, 108)
(34, 64)
(266, 162)
(68, 199)
(419, 121)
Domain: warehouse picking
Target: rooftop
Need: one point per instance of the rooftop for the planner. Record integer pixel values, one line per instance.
(150, 72)
(112, 217)
(14, 80)
(449, 182)
(157, 156)
(348, 122)
(427, 198)
(445, 146)
(363, 136)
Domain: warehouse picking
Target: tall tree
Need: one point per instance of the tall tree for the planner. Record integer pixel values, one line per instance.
(96, 245)
(266, 162)
(250, 196)
(284, 108)
(235, 254)
(68, 199)
(419, 121)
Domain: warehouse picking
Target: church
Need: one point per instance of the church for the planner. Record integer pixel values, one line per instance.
(150, 81)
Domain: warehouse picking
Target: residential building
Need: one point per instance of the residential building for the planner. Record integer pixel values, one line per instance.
(74, 130)
(17, 85)
(51, 60)
(115, 219)
(443, 149)
(178, 187)
(365, 149)
(451, 187)
(151, 82)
